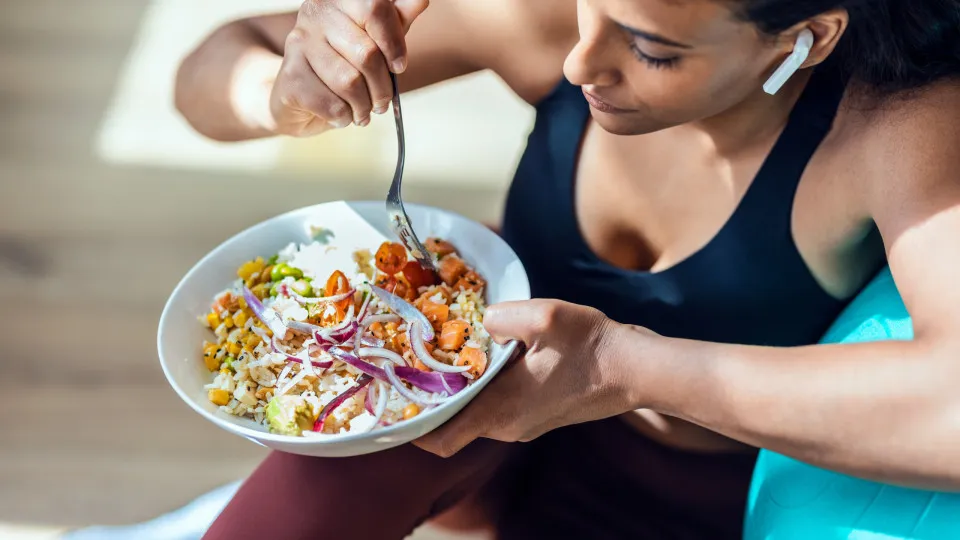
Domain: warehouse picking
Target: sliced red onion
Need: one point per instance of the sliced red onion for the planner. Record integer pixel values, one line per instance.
(432, 382)
(446, 386)
(365, 323)
(324, 299)
(372, 342)
(365, 367)
(405, 310)
(415, 337)
(368, 401)
(275, 343)
(344, 334)
(408, 394)
(363, 307)
(304, 328)
(378, 352)
(270, 317)
(383, 396)
(363, 381)
(427, 381)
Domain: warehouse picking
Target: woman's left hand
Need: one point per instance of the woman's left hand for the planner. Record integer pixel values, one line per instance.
(569, 374)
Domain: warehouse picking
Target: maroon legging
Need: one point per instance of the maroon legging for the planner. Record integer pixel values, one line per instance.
(595, 480)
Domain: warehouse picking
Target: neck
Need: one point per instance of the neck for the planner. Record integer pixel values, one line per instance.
(756, 119)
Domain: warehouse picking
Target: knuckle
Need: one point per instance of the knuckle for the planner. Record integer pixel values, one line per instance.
(377, 8)
(295, 39)
(353, 81)
(338, 110)
(545, 316)
(367, 55)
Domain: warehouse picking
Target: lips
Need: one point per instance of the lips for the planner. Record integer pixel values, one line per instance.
(599, 104)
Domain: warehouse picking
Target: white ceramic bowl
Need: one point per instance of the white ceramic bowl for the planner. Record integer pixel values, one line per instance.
(180, 333)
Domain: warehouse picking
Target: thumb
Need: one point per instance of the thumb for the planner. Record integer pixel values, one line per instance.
(409, 10)
(512, 321)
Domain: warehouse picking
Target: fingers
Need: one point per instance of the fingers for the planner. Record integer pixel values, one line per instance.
(343, 79)
(364, 55)
(382, 23)
(337, 62)
(409, 10)
(522, 321)
(301, 103)
(457, 433)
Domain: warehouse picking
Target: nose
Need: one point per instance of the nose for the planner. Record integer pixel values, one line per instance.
(593, 61)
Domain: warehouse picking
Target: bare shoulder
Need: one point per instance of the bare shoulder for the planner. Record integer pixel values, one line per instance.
(905, 145)
(526, 41)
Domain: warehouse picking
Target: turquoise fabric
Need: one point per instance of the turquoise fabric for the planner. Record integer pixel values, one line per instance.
(790, 500)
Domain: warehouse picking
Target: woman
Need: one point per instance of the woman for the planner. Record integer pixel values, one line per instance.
(683, 271)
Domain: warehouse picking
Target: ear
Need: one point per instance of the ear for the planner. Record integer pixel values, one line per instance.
(827, 27)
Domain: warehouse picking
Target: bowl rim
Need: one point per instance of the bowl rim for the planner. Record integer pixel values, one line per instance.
(509, 349)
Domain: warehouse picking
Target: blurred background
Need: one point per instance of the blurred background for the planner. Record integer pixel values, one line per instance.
(107, 198)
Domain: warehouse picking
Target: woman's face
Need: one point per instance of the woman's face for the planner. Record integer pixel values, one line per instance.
(646, 65)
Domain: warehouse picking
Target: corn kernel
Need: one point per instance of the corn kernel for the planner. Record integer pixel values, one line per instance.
(240, 319)
(410, 411)
(261, 291)
(252, 341)
(228, 321)
(210, 360)
(233, 349)
(219, 396)
(242, 301)
(250, 269)
(213, 319)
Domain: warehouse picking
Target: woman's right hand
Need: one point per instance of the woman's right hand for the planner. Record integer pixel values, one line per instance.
(337, 62)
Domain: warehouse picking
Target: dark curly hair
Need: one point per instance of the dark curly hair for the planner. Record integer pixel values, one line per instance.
(890, 46)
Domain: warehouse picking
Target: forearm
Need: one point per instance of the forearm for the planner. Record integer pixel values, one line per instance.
(887, 411)
(223, 87)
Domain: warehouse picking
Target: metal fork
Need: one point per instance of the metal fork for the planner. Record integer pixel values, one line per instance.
(399, 221)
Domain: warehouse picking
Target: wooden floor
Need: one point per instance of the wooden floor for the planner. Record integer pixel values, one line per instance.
(90, 432)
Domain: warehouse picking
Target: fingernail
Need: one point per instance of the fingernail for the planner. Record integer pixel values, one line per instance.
(339, 123)
(398, 65)
(380, 109)
(364, 122)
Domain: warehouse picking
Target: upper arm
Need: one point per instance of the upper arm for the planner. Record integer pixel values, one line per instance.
(523, 41)
(915, 201)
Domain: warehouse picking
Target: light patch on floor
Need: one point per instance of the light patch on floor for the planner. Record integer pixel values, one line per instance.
(469, 131)
(10, 531)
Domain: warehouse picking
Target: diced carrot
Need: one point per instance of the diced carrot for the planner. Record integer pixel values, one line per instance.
(437, 314)
(390, 257)
(451, 269)
(441, 248)
(471, 281)
(453, 334)
(475, 358)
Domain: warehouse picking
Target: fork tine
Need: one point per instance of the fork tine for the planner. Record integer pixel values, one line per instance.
(399, 221)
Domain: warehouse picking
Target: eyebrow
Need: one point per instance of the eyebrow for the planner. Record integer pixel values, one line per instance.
(656, 38)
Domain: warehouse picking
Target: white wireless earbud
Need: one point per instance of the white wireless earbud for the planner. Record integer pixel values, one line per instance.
(793, 62)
